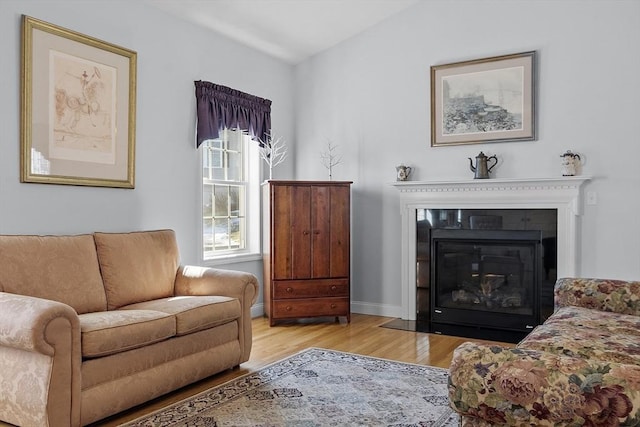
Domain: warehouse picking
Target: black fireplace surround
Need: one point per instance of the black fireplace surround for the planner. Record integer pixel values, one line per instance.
(478, 276)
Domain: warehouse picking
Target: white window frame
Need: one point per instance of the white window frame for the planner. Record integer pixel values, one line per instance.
(252, 168)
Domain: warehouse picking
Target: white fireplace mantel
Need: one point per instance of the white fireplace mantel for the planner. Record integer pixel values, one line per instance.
(563, 194)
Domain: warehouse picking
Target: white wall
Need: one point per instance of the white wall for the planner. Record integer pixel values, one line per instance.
(370, 96)
(171, 55)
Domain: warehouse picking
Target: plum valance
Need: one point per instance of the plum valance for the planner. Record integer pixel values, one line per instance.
(219, 107)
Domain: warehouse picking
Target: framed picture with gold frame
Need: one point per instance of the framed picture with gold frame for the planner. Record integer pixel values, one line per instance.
(78, 108)
(484, 100)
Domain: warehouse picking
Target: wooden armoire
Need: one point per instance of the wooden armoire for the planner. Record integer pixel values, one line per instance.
(306, 249)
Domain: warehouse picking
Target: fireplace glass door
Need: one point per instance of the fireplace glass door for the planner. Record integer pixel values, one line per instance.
(486, 278)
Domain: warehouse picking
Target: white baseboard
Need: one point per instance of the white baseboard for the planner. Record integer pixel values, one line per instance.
(257, 310)
(356, 307)
(376, 309)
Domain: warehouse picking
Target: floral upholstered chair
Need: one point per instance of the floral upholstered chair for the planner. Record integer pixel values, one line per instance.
(580, 368)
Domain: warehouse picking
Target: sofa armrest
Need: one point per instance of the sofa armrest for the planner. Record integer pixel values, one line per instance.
(24, 321)
(501, 386)
(192, 280)
(618, 296)
(40, 361)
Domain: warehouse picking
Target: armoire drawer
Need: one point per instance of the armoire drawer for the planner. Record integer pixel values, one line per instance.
(310, 288)
(311, 307)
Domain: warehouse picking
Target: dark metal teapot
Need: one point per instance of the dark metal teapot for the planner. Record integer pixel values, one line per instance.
(482, 168)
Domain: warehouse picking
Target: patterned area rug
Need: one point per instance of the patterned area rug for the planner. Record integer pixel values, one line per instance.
(318, 387)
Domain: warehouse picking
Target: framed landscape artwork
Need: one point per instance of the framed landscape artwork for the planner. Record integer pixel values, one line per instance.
(483, 100)
(78, 105)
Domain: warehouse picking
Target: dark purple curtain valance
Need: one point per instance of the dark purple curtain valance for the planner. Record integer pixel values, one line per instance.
(219, 107)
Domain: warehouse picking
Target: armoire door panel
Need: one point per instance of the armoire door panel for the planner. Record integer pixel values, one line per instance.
(339, 241)
(281, 243)
(321, 231)
(301, 232)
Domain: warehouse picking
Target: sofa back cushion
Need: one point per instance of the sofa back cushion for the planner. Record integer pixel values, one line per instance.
(59, 268)
(138, 266)
(617, 296)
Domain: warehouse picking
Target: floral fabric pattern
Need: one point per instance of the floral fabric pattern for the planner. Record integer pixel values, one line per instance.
(581, 368)
(589, 334)
(615, 296)
(500, 386)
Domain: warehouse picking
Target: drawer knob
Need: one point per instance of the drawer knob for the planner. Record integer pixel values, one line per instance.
(305, 232)
(333, 306)
(334, 287)
(289, 289)
(289, 308)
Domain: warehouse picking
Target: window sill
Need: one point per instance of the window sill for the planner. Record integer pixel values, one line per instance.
(232, 259)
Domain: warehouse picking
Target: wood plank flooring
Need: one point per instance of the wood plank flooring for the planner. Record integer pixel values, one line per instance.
(362, 336)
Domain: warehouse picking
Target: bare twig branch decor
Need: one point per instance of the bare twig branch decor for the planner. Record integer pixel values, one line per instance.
(330, 158)
(273, 151)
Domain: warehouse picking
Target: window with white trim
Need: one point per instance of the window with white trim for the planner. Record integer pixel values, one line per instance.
(230, 196)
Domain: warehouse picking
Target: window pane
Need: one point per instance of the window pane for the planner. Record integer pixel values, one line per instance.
(235, 194)
(235, 235)
(206, 160)
(235, 141)
(221, 234)
(212, 160)
(221, 200)
(218, 165)
(207, 200)
(207, 234)
(235, 166)
(216, 159)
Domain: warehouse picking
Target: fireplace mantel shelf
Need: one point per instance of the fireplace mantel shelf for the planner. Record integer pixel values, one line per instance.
(561, 193)
(492, 183)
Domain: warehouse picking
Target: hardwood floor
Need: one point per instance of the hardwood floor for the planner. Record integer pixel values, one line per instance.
(362, 336)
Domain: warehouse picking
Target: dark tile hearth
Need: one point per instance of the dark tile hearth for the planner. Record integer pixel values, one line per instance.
(405, 325)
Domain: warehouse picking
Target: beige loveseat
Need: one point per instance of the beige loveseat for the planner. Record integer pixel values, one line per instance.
(94, 324)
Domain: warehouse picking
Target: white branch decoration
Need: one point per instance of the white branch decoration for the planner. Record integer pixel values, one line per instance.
(273, 152)
(330, 158)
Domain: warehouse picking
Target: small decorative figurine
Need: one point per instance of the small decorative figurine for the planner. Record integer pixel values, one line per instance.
(403, 172)
(570, 161)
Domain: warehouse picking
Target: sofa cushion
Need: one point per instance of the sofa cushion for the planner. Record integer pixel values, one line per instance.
(110, 332)
(163, 356)
(58, 268)
(138, 266)
(194, 313)
(588, 334)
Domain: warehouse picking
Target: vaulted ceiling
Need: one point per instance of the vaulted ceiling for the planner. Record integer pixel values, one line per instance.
(291, 30)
